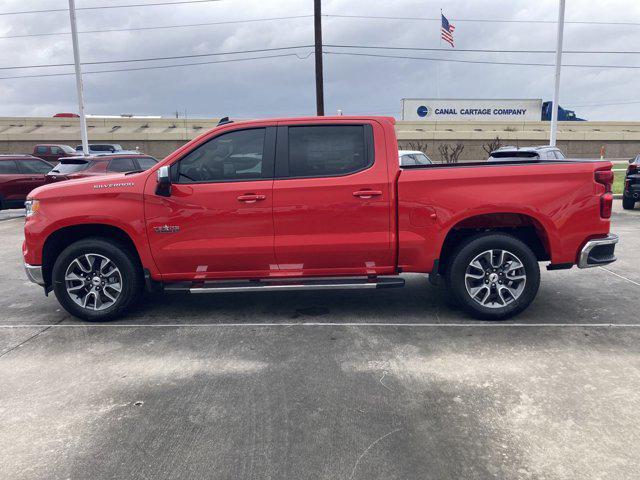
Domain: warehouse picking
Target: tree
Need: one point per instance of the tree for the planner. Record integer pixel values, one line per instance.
(449, 153)
(419, 145)
(492, 145)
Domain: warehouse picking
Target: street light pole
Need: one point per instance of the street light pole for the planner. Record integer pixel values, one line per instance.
(317, 21)
(76, 60)
(556, 91)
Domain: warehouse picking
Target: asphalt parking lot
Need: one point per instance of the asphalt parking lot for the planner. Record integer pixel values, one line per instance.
(336, 385)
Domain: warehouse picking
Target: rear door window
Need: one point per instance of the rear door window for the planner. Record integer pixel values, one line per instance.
(33, 166)
(327, 150)
(8, 167)
(121, 164)
(41, 150)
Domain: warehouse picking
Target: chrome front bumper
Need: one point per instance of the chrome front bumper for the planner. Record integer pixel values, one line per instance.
(599, 251)
(34, 273)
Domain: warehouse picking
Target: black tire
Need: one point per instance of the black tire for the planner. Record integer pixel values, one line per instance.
(628, 203)
(468, 251)
(131, 281)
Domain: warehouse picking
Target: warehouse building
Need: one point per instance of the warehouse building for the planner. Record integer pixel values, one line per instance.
(161, 136)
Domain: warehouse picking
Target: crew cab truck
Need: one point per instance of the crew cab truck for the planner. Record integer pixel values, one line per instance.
(315, 203)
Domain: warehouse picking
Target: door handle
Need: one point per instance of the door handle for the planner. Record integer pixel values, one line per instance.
(251, 198)
(367, 193)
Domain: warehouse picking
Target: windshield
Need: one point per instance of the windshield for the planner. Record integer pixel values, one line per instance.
(422, 159)
(71, 166)
(514, 154)
(67, 149)
(146, 162)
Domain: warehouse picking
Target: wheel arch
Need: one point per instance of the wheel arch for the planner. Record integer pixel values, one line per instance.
(523, 226)
(61, 238)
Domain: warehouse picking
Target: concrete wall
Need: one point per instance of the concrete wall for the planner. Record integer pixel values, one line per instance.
(159, 137)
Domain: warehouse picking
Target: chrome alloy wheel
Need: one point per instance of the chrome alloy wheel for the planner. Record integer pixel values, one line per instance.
(93, 281)
(495, 278)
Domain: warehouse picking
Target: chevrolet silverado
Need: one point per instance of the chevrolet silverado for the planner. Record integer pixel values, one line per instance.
(315, 203)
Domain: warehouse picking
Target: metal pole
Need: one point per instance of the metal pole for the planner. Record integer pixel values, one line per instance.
(556, 91)
(76, 60)
(317, 21)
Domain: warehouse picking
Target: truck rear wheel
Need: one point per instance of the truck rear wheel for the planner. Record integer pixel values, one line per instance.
(628, 203)
(96, 279)
(493, 276)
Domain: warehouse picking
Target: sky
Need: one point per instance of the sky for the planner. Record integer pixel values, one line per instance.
(284, 85)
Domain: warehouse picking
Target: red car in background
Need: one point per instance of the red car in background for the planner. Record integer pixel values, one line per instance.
(96, 165)
(52, 153)
(19, 174)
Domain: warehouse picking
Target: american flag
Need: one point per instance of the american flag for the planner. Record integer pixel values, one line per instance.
(447, 31)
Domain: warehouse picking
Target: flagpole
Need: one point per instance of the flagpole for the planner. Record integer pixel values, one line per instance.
(76, 61)
(556, 91)
(438, 61)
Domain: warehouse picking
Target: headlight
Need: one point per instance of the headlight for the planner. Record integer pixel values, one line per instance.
(32, 206)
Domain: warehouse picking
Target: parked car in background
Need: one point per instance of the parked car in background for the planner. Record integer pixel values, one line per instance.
(101, 148)
(95, 165)
(544, 152)
(52, 153)
(66, 115)
(413, 157)
(19, 174)
(631, 192)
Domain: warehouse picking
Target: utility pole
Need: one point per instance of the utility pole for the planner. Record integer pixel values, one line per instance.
(556, 91)
(317, 21)
(76, 60)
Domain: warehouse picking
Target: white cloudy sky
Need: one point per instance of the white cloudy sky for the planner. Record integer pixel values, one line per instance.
(284, 86)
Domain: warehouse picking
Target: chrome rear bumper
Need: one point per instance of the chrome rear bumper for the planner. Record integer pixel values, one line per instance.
(599, 251)
(34, 273)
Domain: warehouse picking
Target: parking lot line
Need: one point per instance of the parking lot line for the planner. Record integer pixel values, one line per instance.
(326, 324)
(620, 276)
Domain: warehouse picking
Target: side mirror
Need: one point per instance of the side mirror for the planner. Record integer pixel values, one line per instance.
(164, 182)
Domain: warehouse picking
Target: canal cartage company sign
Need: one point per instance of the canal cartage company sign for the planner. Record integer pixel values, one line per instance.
(471, 110)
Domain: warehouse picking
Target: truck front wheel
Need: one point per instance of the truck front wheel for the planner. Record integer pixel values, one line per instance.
(628, 203)
(95, 279)
(493, 276)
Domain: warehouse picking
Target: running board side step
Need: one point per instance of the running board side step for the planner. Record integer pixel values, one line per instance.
(333, 283)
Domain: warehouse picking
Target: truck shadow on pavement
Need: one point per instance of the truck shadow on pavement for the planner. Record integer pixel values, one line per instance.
(594, 299)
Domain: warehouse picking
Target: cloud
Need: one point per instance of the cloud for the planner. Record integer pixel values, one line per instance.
(285, 86)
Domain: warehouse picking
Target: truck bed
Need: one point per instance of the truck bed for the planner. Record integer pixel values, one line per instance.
(560, 200)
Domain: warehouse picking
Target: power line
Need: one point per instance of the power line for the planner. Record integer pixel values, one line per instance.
(150, 59)
(484, 62)
(158, 66)
(481, 50)
(160, 27)
(302, 58)
(104, 7)
(176, 57)
(481, 20)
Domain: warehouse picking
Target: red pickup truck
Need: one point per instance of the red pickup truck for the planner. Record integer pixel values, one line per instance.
(315, 203)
